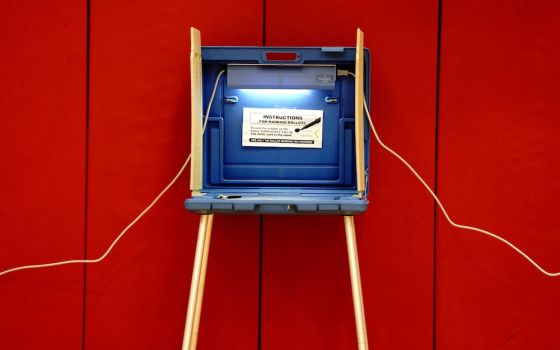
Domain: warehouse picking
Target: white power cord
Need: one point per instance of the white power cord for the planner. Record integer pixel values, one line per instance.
(211, 99)
(378, 139)
(438, 201)
(123, 232)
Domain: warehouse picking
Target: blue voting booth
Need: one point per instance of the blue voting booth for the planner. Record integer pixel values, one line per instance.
(254, 158)
(277, 131)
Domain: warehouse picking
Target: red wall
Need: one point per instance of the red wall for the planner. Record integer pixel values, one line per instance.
(42, 171)
(95, 122)
(499, 165)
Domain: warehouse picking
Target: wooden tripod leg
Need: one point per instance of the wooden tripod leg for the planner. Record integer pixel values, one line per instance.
(197, 282)
(356, 283)
(201, 281)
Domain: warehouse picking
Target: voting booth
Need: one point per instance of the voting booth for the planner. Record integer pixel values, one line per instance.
(277, 131)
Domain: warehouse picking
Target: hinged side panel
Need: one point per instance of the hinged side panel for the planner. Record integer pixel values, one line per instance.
(196, 113)
(359, 113)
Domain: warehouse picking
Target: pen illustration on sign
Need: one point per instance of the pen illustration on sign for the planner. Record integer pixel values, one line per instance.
(316, 121)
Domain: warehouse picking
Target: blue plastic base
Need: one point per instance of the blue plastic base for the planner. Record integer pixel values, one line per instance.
(277, 205)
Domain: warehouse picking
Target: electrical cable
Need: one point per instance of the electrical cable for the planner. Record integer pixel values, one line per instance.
(129, 226)
(438, 201)
(378, 139)
(123, 232)
(211, 99)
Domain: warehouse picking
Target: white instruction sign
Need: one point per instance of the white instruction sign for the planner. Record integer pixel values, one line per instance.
(280, 127)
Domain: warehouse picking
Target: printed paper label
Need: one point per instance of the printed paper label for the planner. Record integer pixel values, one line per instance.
(278, 127)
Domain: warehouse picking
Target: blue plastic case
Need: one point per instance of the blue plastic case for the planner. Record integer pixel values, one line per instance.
(280, 180)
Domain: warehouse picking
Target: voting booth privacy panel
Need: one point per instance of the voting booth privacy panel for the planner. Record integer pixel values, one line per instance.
(277, 131)
(280, 135)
